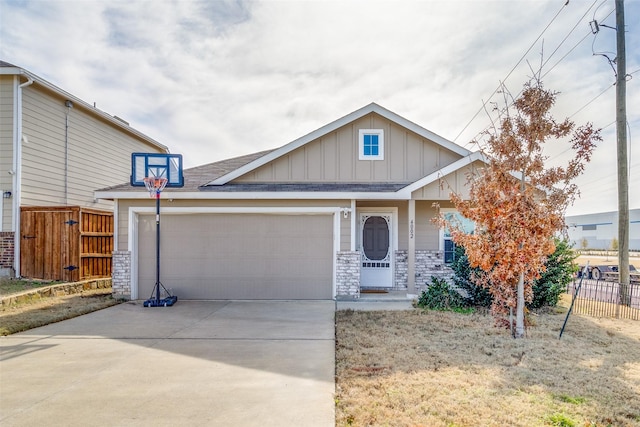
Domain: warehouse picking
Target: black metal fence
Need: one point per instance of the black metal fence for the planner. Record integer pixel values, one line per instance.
(599, 298)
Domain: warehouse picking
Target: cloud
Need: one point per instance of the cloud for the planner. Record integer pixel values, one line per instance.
(213, 80)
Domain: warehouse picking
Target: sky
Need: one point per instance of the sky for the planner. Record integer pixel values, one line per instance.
(213, 80)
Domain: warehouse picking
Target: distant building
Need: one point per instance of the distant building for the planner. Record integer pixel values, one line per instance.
(598, 231)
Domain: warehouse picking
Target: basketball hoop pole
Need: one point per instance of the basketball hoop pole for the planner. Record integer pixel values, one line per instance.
(155, 186)
(158, 246)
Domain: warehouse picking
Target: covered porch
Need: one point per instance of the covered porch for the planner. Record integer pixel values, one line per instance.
(394, 250)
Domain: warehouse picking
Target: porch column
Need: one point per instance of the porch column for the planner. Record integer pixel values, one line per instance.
(411, 252)
(353, 225)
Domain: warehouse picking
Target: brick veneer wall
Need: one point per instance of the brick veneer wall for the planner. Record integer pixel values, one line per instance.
(431, 264)
(428, 264)
(401, 278)
(7, 253)
(121, 274)
(348, 274)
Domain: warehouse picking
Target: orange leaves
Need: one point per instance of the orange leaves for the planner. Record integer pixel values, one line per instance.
(515, 223)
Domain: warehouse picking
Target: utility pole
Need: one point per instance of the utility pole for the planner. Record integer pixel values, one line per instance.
(623, 172)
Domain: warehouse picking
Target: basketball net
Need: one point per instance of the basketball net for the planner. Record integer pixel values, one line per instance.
(155, 185)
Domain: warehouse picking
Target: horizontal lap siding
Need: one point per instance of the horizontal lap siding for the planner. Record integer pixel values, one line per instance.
(98, 152)
(239, 256)
(6, 146)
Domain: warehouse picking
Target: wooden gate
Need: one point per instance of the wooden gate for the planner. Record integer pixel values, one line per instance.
(67, 243)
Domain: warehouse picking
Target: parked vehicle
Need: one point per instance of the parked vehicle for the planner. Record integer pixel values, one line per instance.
(605, 272)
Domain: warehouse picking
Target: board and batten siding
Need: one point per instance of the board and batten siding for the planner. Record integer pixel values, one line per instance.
(452, 182)
(334, 157)
(98, 152)
(7, 87)
(198, 205)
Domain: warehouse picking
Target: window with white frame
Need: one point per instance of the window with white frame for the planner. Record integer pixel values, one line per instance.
(371, 144)
(446, 242)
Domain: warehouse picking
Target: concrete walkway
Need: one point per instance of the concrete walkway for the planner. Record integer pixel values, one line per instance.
(394, 300)
(198, 363)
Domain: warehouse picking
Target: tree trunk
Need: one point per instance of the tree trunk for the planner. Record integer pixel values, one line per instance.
(520, 308)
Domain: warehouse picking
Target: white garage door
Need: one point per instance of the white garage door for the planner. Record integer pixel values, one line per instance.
(238, 256)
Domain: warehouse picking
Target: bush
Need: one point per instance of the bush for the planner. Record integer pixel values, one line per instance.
(440, 296)
(553, 282)
(546, 290)
(476, 295)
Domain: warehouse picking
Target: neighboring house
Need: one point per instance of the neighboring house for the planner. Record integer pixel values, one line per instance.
(600, 230)
(343, 209)
(55, 150)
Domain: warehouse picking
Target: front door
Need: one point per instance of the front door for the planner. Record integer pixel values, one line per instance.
(376, 250)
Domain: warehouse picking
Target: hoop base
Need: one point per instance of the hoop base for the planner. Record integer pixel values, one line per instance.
(165, 302)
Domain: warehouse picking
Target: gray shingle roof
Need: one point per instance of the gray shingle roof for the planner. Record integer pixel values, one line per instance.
(200, 175)
(195, 179)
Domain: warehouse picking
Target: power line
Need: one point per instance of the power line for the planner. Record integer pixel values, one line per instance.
(566, 54)
(567, 36)
(512, 70)
(597, 96)
(484, 104)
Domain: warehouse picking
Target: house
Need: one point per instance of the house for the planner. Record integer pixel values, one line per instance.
(600, 230)
(55, 151)
(342, 210)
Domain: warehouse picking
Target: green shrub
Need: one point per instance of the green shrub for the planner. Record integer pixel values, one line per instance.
(553, 282)
(546, 290)
(440, 296)
(477, 296)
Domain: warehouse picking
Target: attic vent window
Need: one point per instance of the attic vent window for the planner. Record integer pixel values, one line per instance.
(371, 144)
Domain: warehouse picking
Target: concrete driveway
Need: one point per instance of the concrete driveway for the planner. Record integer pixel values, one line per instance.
(198, 363)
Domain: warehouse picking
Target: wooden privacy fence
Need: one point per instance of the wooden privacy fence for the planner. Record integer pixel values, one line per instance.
(599, 298)
(67, 243)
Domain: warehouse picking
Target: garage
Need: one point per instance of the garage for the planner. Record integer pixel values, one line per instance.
(238, 256)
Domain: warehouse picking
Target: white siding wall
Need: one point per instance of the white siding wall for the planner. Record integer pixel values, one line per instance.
(6, 147)
(98, 153)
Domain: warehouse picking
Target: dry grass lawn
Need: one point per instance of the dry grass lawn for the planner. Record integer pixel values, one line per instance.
(427, 368)
(43, 311)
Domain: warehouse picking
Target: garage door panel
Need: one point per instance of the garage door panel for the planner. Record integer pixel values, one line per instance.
(240, 256)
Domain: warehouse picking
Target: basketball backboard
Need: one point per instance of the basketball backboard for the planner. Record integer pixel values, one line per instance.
(144, 165)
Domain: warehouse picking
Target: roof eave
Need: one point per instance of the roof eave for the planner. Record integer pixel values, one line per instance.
(257, 195)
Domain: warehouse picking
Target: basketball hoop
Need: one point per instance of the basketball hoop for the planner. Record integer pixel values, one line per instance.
(155, 185)
(155, 171)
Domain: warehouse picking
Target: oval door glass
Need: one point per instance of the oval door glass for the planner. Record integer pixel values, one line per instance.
(375, 238)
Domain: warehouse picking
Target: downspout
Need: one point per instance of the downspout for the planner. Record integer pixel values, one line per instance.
(17, 171)
(69, 106)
